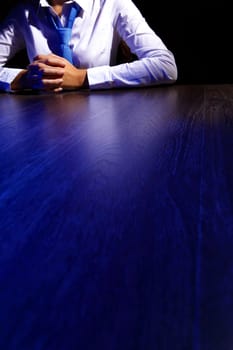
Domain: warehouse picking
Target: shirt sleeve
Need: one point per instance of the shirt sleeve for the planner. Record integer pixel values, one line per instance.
(7, 75)
(11, 41)
(155, 64)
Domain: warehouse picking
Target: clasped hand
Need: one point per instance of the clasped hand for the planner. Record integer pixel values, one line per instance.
(50, 73)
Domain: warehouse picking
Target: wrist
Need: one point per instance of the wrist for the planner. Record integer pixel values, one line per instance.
(83, 79)
(19, 82)
(85, 82)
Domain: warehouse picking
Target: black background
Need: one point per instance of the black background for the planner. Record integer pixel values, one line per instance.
(199, 34)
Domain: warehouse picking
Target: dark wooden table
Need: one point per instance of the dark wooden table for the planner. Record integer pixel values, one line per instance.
(116, 219)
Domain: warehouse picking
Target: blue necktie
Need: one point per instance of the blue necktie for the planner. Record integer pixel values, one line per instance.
(64, 33)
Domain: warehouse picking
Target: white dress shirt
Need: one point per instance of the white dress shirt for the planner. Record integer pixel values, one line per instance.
(95, 38)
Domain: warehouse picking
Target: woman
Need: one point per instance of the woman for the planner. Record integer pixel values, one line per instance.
(98, 28)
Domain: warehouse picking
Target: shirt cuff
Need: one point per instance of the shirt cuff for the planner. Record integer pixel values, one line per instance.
(99, 78)
(7, 75)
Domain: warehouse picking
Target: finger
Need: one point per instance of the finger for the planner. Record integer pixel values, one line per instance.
(42, 70)
(51, 73)
(58, 89)
(34, 70)
(46, 84)
(51, 60)
(52, 84)
(41, 56)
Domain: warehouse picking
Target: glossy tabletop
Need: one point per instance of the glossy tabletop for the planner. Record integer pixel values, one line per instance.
(116, 219)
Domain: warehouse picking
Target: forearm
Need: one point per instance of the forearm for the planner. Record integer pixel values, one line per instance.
(144, 72)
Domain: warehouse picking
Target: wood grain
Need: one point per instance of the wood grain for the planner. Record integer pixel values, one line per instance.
(116, 219)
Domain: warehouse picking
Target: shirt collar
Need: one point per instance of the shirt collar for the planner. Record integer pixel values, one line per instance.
(82, 3)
